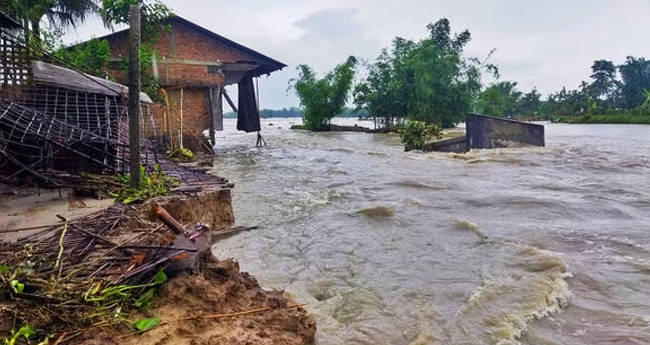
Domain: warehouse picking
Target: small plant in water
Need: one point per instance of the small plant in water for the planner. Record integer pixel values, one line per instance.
(417, 134)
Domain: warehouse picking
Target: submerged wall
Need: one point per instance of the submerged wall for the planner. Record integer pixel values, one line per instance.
(487, 132)
(454, 145)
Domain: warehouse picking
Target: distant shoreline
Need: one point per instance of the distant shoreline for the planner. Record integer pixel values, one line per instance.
(622, 119)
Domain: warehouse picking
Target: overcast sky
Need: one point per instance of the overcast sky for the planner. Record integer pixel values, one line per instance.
(545, 44)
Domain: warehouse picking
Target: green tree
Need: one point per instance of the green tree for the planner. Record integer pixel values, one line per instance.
(430, 80)
(531, 103)
(323, 99)
(388, 92)
(91, 57)
(154, 16)
(635, 74)
(500, 99)
(60, 13)
(604, 79)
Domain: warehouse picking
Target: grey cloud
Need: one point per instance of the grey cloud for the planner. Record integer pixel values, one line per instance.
(331, 24)
(545, 44)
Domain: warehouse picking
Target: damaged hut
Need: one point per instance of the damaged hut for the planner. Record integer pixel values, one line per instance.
(55, 119)
(193, 65)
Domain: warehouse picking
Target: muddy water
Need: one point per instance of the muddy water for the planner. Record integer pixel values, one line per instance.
(522, 246)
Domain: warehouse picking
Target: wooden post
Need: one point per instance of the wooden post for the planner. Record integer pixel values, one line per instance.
(134, 95)
(216, 112)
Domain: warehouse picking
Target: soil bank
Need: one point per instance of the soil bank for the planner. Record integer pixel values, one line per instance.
(207, 301)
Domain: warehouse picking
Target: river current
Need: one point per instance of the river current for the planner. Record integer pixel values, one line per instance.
(510, 246)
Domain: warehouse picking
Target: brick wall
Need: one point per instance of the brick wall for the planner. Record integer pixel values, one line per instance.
(186, 55)
(195, 107)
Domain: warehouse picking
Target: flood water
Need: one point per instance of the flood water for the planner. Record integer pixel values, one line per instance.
(511, 246)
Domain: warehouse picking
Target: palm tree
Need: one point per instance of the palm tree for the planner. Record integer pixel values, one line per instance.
(60, 13)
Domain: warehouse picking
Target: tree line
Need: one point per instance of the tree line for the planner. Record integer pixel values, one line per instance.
(612, 91)
(434, 82)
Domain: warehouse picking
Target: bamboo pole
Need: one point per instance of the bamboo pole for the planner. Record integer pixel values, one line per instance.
(181, 126)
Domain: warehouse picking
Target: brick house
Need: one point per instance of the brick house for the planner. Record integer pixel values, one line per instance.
(193, 68)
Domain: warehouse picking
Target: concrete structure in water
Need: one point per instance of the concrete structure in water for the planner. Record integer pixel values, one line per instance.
(487, 132)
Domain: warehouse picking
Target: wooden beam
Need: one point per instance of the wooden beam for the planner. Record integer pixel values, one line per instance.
(134, 95)
(230, 102)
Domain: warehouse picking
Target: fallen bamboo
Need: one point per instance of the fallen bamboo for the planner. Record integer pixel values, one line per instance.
(96, 236)
(38, 227)
(58, 263)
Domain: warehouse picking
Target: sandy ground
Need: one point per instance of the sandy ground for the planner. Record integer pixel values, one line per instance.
(25, 208)
(219, 305)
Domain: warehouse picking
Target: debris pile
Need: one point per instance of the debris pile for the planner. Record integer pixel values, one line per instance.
(86, 278)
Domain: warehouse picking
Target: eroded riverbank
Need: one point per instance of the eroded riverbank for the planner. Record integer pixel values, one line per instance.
(108, 274)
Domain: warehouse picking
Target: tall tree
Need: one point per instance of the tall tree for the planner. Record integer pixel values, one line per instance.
(388, 92)
(531, 103)
(635, 74)
(500, 99)
(325, 98)
(604, 79)
(430, 80)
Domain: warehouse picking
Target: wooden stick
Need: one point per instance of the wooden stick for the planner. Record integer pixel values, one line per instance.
(96, 236)
(58, 263)
(47, 227)
(233, 230)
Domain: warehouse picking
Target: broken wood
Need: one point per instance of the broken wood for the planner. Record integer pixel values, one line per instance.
(234, 230)
(166, 218)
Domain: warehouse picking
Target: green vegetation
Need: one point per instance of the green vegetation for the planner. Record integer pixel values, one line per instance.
(153, 184)
(430, 80)
(24, 332)
(616, 94)
(294, 112)
(433, 81)
(92, 56)
(183, 155)
(60, 14)
(323, 99)
(416, 134)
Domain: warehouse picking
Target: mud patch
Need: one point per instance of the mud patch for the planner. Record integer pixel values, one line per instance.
(219, 288)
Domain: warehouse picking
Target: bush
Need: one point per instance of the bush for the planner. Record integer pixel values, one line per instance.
(417, 134)
(183, 155)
